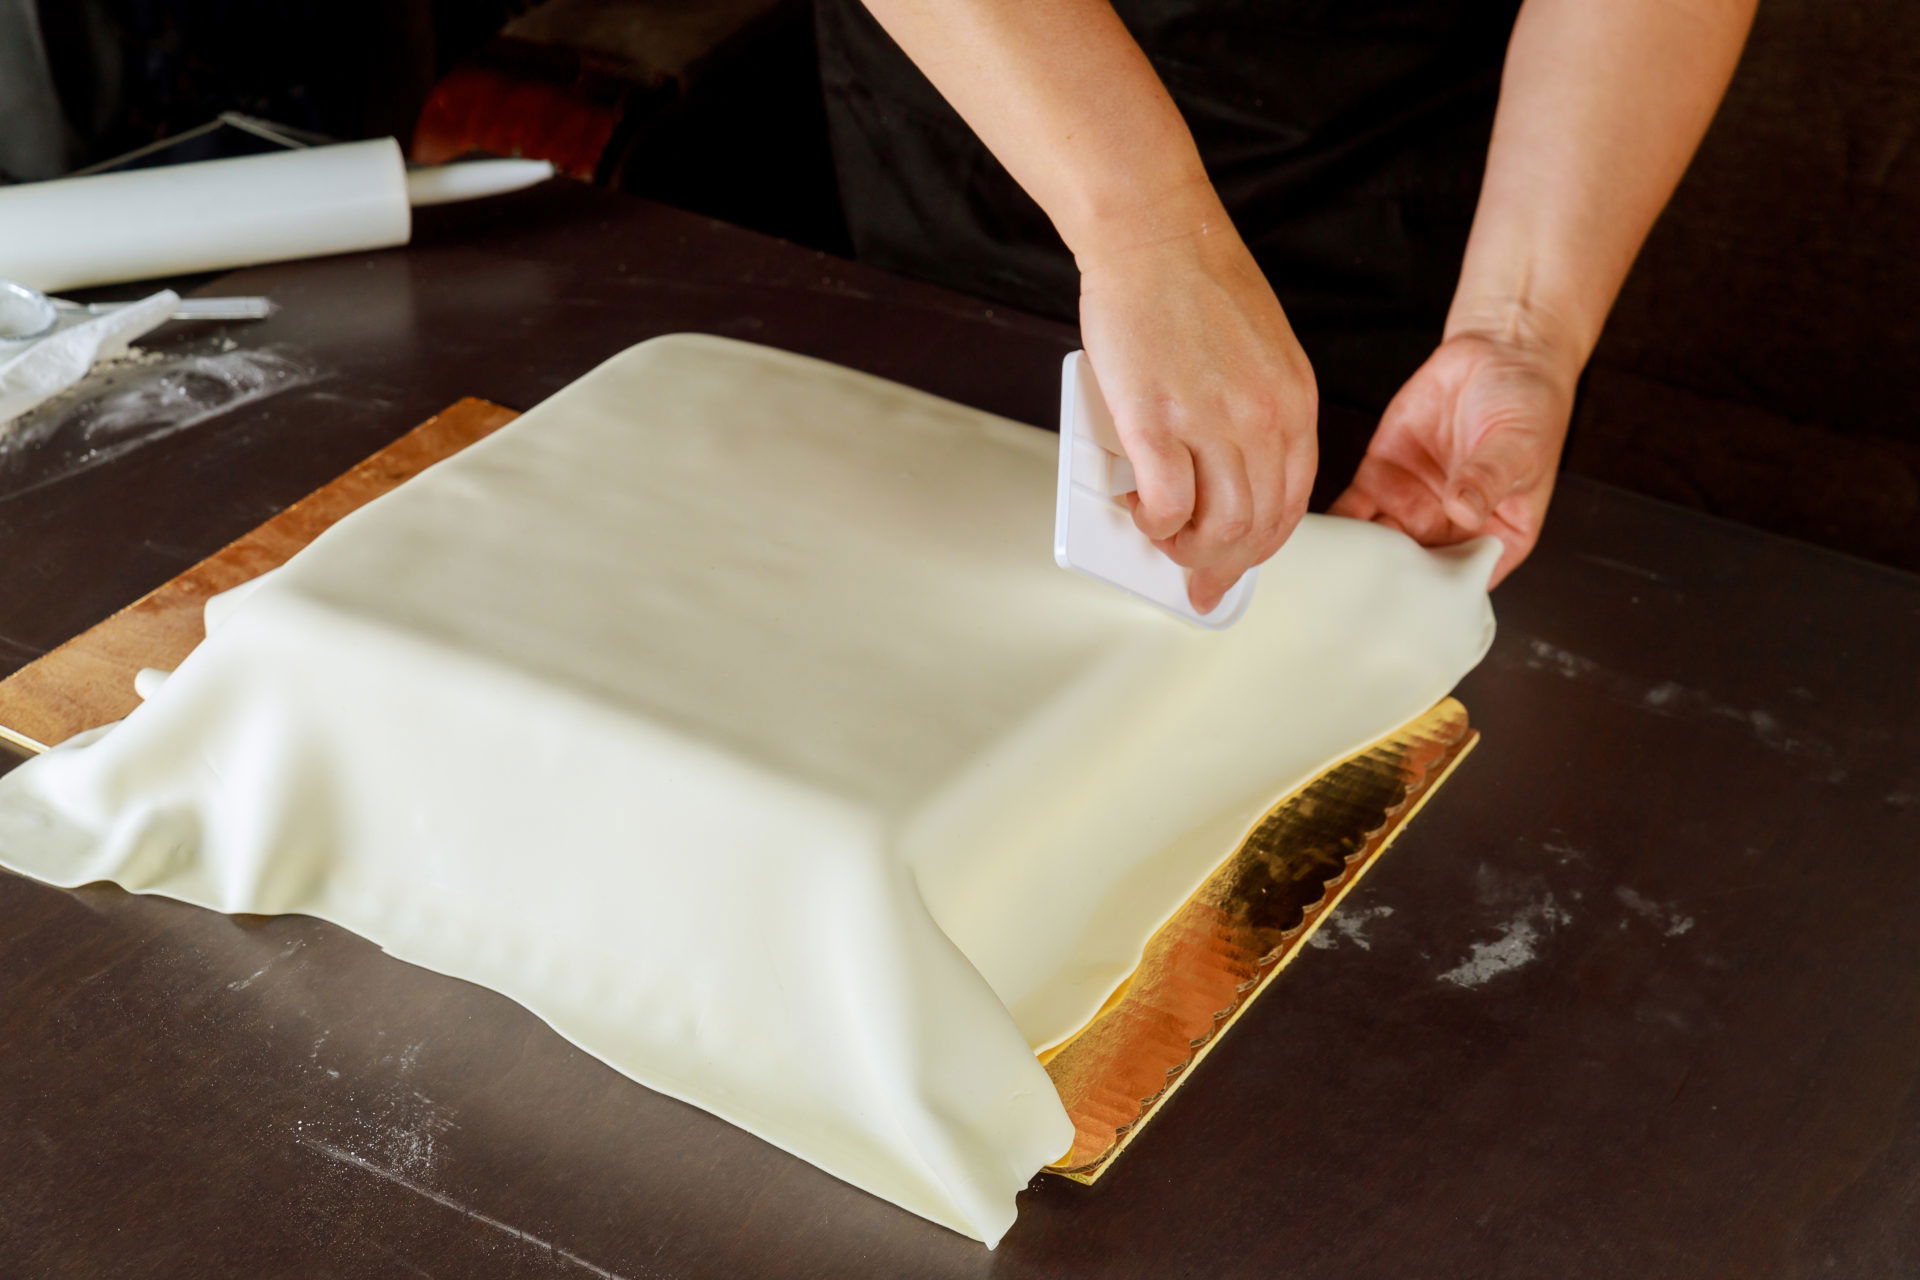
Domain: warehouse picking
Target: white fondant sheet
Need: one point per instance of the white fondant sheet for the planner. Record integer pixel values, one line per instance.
(728, 712)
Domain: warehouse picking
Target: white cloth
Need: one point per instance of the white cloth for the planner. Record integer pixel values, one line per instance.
(38, 371)
(727, 711)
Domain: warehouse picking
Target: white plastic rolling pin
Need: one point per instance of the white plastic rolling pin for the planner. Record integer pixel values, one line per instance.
(214, 215)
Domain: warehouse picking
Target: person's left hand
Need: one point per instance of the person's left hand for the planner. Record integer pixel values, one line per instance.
(1469, 446)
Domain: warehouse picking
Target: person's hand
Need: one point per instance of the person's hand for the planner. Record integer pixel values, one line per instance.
(1470, 446)
(1211, 395)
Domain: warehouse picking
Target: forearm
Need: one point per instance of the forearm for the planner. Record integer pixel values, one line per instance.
(1601, 107)
(1064, 98)
(1212, 398)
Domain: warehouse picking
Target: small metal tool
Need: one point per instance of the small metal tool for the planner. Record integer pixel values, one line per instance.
(27, 315)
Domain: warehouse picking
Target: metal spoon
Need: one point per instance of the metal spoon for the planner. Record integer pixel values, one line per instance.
(27, 315)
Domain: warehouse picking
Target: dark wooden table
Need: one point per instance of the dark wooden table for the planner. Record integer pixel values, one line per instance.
(1639, 995)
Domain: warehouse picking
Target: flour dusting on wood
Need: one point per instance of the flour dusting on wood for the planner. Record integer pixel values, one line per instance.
(1515, 946)
(133, 401)
(1668, 698)
(1349, 926)
(1663, 917)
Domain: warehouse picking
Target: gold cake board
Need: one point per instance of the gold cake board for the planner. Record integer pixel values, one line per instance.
(1203, 968)
(1198, 974)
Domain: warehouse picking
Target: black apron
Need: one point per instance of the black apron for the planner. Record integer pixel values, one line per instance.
(1346, 140)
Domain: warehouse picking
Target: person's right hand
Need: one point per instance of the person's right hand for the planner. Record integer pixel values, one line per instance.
(1211, 394)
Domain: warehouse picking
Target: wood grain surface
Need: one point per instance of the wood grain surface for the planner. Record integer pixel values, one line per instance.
(1639, 997)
